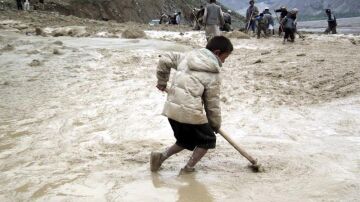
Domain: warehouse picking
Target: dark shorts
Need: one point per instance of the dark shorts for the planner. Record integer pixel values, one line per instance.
(190, 136)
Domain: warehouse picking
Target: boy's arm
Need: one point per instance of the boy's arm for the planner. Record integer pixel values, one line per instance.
(211, 98)
(166, 62)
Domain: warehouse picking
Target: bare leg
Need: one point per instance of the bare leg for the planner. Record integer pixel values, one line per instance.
(157, 158)
(196, 156)
(171, 151)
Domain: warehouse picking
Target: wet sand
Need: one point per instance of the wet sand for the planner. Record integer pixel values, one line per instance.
(79, 123)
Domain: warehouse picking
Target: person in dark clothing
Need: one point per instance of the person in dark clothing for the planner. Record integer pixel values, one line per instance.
(164, 19)
(227, 19)
(270, 20)
(19, 5)
(262, 25)
(289, 24)
(331, 22)
(197, 17)
(283, 13)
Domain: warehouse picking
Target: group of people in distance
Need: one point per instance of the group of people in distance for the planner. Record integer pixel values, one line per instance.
(172, 19)
(25, 4)
(262, 24)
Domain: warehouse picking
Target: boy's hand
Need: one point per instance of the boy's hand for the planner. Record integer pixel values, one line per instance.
(161, 87)
(216, 130)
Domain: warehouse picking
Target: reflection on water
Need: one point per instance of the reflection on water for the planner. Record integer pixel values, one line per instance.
(188, 188)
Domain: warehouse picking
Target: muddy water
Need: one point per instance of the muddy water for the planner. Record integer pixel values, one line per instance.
(80, 125)
(59, 118)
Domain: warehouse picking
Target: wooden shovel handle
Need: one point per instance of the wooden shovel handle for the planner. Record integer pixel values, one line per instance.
(237, 147)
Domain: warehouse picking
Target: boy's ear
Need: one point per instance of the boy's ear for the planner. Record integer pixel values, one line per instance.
(217, 52)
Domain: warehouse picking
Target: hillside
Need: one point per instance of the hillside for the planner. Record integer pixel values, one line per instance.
(124, 10)
(309, 8)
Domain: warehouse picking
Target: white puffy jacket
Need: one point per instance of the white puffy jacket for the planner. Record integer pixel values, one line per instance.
(195, 87)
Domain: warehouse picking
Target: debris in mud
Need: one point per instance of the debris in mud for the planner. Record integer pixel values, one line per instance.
(21, 26)
(8, 47)
(56, 52)
(133, 33)
(35, 63)
(33, 52)
(74, 31)
(39, 32)
(237, 35)
(60, 43)
(353, 41)
(301, 54)
(265, 52)
(258, 61)
(5, 83)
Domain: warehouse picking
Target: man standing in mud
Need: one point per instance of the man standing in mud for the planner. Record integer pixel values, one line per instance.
(19, 4)
(283, 13)
(251, 13)
(289, 24)
(213, 20)
(331, 22)
(262, 25)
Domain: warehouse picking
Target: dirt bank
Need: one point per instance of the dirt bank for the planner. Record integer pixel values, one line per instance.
(80, 115)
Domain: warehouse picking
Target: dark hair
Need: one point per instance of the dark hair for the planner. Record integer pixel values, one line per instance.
(220, 43)
(212, 1)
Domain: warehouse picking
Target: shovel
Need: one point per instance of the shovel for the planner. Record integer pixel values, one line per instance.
(254, 164)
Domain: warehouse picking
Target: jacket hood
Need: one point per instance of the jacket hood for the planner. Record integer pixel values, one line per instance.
(203, 60)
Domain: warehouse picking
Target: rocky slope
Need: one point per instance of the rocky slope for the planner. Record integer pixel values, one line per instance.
(124, 10)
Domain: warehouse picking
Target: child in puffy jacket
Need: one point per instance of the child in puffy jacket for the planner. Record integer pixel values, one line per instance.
(193, 102)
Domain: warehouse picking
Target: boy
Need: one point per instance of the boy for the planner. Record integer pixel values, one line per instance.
(195, 87)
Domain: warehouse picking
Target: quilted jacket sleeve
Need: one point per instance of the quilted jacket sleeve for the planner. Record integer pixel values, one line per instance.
(211, 98)
(166, 62)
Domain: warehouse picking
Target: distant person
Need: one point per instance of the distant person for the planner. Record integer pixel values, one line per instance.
(213, 20)
(193, 102)
(227, 22)
(251, 13)
(262, 25)
(198, 15)
(270, 19)
(164, 19)
(289, 23)
(27, 5)
(42, 3)
(331, 22)
(283, 13)
(19, 5)
(178, 18)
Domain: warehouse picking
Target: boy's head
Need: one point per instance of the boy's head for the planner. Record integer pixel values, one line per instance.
(220, 46)
(212, 1)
